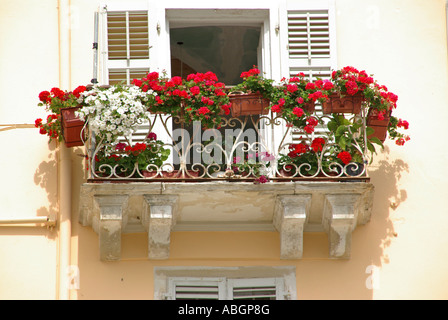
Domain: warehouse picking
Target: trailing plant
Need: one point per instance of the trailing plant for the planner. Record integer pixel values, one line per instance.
(54, 101)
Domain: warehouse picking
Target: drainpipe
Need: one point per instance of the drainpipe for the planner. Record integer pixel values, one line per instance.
(64, 183)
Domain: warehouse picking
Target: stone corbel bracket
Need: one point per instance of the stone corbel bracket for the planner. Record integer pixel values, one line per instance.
(112, 219)
(290, 215)
(159, 218)
(342, 213)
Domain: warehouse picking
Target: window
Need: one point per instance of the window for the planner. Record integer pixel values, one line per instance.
(225, 283)
(282, 39)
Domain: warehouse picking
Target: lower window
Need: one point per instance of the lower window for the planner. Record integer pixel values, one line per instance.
(239, 283)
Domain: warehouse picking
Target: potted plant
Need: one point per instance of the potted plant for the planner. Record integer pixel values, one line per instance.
(254, 164)
(347, 93)
(304, 159)
(199, 97)
(113, 111)
(253, 95)
(125, 160)
(294, 100)
(62, 123)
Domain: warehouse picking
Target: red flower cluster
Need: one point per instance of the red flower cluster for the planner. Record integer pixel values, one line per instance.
(403, 123)
(401, 141)
(345, 157)
(298, 111)
(295, 150)
(311, 123)
(317, 144)
(50, 128)
(201, 94)
(136, 149)
(352, 80)
(252, 72)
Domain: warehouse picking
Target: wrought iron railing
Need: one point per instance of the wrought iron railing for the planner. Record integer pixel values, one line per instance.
(255, 148)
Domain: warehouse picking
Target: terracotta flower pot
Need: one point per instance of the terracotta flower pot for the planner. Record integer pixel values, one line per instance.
(248, 104)
(309, 107)
(343, 104)
(379, 125)
(71, 127)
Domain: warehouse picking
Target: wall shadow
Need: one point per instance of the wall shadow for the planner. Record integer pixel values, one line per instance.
(376, 236)
(357, 278)
(46, 177)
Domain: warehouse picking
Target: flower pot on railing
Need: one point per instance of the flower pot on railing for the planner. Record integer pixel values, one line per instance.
(343, 104)
(71, 127)
(309, 106)
(379, 124)
(244, 104)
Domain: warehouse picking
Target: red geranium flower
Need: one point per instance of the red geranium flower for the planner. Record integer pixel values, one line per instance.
(345, 157)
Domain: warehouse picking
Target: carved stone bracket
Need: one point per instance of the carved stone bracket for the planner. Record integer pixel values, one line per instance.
(112, 220)
(340, 219)
(159, 217)
(291, 208)
(290, 215)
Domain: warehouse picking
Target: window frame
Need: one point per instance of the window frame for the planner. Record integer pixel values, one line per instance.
(283, 277)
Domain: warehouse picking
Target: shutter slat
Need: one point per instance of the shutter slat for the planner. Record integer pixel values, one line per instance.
(197, 292)
(254, 293)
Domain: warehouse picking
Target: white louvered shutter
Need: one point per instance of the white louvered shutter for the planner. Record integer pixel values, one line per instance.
(255, 289)
(308, 35)
(125, 45)
(196, 288)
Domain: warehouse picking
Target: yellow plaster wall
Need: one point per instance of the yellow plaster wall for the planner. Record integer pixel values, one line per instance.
(28, 65)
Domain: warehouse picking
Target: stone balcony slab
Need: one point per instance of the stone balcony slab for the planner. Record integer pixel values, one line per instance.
(291, 208)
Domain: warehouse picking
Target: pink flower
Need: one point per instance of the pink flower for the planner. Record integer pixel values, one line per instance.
(309, 129)
(152, 136)
(195, 90)
(203, 110)
(261, 179)
(298, 111)
(291, 88)
(327, 85)
(403, 123)
(310, 86)
(276, 108)
(351, 87)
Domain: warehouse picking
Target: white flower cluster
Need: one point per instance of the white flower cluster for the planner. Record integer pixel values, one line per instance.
(115, 111)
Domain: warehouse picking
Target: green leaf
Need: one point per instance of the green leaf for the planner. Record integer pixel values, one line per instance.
(377, 141)
(342, 142)
(369, 131)
(332, 125)
(341, 130)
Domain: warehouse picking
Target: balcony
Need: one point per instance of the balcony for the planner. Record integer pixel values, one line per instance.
(256, 172)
